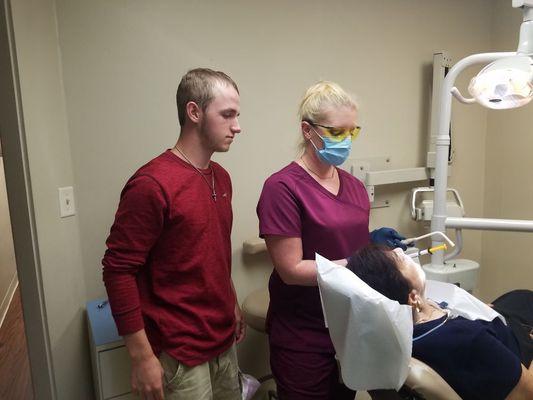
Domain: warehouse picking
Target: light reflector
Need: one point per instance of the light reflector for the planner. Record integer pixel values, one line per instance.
(505, 83)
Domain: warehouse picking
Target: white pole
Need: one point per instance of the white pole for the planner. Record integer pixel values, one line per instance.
(490, 224)
(438, 220)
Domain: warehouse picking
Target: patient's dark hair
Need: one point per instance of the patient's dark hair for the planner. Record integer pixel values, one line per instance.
(376, 266)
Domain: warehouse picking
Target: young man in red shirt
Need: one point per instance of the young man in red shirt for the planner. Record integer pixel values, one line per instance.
(167, 268)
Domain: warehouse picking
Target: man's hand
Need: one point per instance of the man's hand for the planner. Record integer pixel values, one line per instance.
(147, 378)
(146, 370)
(240, 326)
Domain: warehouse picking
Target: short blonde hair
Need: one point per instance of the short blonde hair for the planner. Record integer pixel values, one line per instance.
(198, 85)
(321, 97)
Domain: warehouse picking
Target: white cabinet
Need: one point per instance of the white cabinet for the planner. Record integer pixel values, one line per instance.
(110, 360)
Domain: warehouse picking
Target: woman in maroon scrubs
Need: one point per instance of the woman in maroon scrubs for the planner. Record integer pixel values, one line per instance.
(309, 207)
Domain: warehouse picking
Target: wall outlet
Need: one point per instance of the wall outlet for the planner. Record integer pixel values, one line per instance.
(67, 207)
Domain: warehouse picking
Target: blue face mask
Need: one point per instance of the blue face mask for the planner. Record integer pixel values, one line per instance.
(334, 153)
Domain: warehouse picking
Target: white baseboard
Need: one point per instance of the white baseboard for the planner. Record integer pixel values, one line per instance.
(6, 301)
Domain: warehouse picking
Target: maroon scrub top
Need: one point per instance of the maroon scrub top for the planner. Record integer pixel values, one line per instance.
(293, 204)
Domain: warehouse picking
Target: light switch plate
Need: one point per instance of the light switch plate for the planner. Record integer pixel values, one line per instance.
(67, 206)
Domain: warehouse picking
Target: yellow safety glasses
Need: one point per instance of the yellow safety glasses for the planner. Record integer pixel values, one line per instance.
(338, 134)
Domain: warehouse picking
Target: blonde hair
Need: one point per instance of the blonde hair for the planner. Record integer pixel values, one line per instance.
(321, 98)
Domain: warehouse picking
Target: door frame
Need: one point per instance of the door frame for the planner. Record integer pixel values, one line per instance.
(19, 193)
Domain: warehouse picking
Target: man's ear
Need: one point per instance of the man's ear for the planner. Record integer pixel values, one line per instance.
(193, 111)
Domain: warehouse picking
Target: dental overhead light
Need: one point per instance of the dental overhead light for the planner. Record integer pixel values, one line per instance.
(508, 82)
(505, 83)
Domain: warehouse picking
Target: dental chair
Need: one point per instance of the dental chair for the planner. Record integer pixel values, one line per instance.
(254, 309)
(422, 382)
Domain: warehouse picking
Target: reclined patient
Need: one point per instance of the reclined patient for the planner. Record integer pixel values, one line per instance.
(478, 359)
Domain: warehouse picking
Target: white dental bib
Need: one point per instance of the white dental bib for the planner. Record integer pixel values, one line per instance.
(372, 334)
(459, 302)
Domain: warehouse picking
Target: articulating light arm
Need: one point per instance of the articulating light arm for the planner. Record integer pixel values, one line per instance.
(443, 140)
(525, 43)
(457, 94)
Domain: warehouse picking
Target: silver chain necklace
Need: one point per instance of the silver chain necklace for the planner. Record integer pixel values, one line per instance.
(317, 175)
(212, 186)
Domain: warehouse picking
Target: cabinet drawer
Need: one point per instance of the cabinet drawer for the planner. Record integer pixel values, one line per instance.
(115, 372)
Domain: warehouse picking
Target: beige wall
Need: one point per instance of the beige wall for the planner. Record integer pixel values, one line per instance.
(122, 61)
(8, 267)
(119, 63)
(509, 189)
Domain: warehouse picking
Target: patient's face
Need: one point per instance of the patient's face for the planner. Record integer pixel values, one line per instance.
(412, 271)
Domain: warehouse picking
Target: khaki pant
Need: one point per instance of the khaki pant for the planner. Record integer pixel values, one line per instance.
(216, 379)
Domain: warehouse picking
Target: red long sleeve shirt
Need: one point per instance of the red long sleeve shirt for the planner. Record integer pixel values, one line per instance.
(167, 267)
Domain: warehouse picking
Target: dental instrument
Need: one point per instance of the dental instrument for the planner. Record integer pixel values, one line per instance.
(431, 250)
(409, 241)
